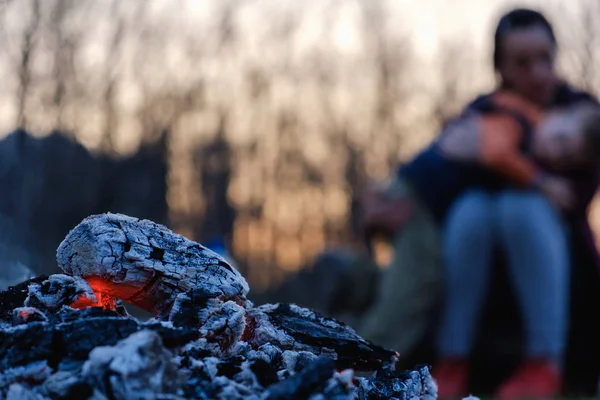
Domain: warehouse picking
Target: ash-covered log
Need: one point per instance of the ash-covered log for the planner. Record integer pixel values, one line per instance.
(144, 263)
(66, 336)
(291, 327)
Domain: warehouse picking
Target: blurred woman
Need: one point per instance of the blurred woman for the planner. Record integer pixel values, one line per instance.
(525, 223)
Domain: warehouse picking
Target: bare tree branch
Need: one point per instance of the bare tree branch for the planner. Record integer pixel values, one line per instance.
(27, 48)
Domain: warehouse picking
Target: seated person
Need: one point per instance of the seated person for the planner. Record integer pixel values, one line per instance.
(413, 207)
(531, 233)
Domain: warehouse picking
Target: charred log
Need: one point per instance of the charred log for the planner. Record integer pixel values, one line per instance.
(15, 297)
(58, 291)
(296, 328)
(74, 334)
(137, 368)
(144, 263)
(300, 386)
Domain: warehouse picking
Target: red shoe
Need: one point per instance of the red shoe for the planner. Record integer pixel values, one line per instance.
(452, 378)
(534, 379)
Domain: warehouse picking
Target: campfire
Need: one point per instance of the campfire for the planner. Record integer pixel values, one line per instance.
(68, 336)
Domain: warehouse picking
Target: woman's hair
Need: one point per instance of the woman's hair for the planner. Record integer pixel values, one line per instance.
(520, 18)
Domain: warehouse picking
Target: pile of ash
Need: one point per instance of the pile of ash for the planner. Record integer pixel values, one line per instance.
(69, 337)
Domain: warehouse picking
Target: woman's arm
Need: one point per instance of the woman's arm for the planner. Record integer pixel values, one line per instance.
(493, 140)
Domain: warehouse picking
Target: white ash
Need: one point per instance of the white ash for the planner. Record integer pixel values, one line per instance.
(429, 385)
(60, 384)
(25, 315)
(225, 325)
(202, 346)
(267, 353)
(154, 263)
(17, 391)
(271, 351)
(220, 321)
(344, 378)
(138, 367)
(419, 385)
(241, 348)
(35, 373)
(311, 315)
(415, 380)
(166, 324)
(230, 389)
(222, 387)
(292, 359)
(209, 365)
(247, 377)
(265, 332)
(339, 387)
(57, 291)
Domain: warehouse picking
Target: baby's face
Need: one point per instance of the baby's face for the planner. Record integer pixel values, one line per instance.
(558, 140)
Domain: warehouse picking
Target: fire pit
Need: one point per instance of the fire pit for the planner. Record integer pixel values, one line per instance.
(67, 336)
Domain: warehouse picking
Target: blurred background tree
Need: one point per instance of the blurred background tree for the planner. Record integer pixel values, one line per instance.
(256, 121)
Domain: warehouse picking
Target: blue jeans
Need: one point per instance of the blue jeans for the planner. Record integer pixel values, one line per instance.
(530, 232)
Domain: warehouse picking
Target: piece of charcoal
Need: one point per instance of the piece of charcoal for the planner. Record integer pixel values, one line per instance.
(138, 367)
(296, 328)
(265, 373)
(199, 380)
(59, 290)
(339, 387)
(188, 307)
(80, 333)
(108, 331)
(144, 263)
(15, 296)
(206, 383)
(194, 352)
(65, 385)
(25, 315)
(67, 314)
(33, 373)
(230, 366)
(296, 361)
(225, 323)
(18, 391)
(272, 353)
(387, 383)
(311, 380)
(28, 343)
(172, 336)
(81, 336)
